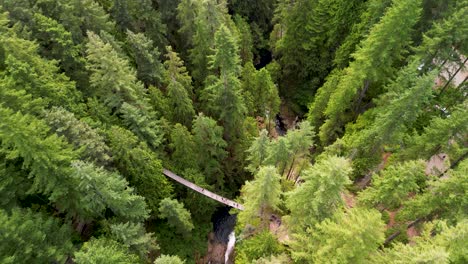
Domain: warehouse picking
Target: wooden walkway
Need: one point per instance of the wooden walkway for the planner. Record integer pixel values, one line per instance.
(201, 190)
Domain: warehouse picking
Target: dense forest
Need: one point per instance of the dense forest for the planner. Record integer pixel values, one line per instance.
(340, 126)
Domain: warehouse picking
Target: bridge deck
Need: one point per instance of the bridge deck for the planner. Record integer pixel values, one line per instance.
(201, 190)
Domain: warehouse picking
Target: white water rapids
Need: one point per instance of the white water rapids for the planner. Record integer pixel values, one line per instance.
(230, 246)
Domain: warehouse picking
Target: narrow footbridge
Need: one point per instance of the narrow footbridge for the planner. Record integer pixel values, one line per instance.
(201, 190)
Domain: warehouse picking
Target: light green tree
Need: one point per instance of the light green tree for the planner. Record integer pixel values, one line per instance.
(367, 69)
(29, 237)
(166, 259)
(393, 185)
(348, 237)
(179, 89)
(176, 215)
(261, 197)
(319, 196)
(104, 250)
(257, 153)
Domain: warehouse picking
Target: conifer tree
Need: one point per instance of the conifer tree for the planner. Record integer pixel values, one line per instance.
(393, 185)
(78, 133)
(208, 136)
(435, 136)
(146, 58)
(258, 151)
(245, 40)
(142, 124)
(444, 197)
(367, 69)
(179, 89)
(29, 237)
(319, 196)
(176, 215)
(265, 94)
(261, 197)
(278, 154)
(24, 71)
(224, 95)
(183, 149)
(139, 165)
(166, 259)
(299, 142)
(349, 237)
(104, 250)
(211, 14)
(111, 76)
(134, 237)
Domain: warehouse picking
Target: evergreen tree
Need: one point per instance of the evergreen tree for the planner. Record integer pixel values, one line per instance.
(111, 76)
(319, 27)
(179, 89)
(265, 94)
(444, 198)
(142, 124)
(319, 196)
(299, 142)
(209, 137)
(146, 58)
(394, 184)
(367, 69)
(78, 133)
(134, 237)
(104, 250)
(166, 259)
(261, 197)
(435, 136)
(29, 237)
(139, 165)
(24, 71)
(183, 149)
(176, 215)
(278, 154)
(258, 151)
(211, 14)
(223, 96)
(350, 237)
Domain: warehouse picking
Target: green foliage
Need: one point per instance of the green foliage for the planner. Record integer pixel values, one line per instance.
(112, 79)
(183, 149)
(179, 89)
(445, 245)
(261, 197)
(103, 250)
(29, 237)
(367, 68)
(444, 198)
(97, 188)
(139, 165)
(209, 137)
(258, 151)
(350, 237)
(78, 133)
(176, 215)
(25, 72)
(166, 259)
(319, 196)
(143, 124)
(223, 96)
(260, 245)
(146, 58)
(393, 185)
(134, 237)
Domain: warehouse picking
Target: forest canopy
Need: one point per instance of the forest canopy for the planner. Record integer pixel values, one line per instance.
(339, 127)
